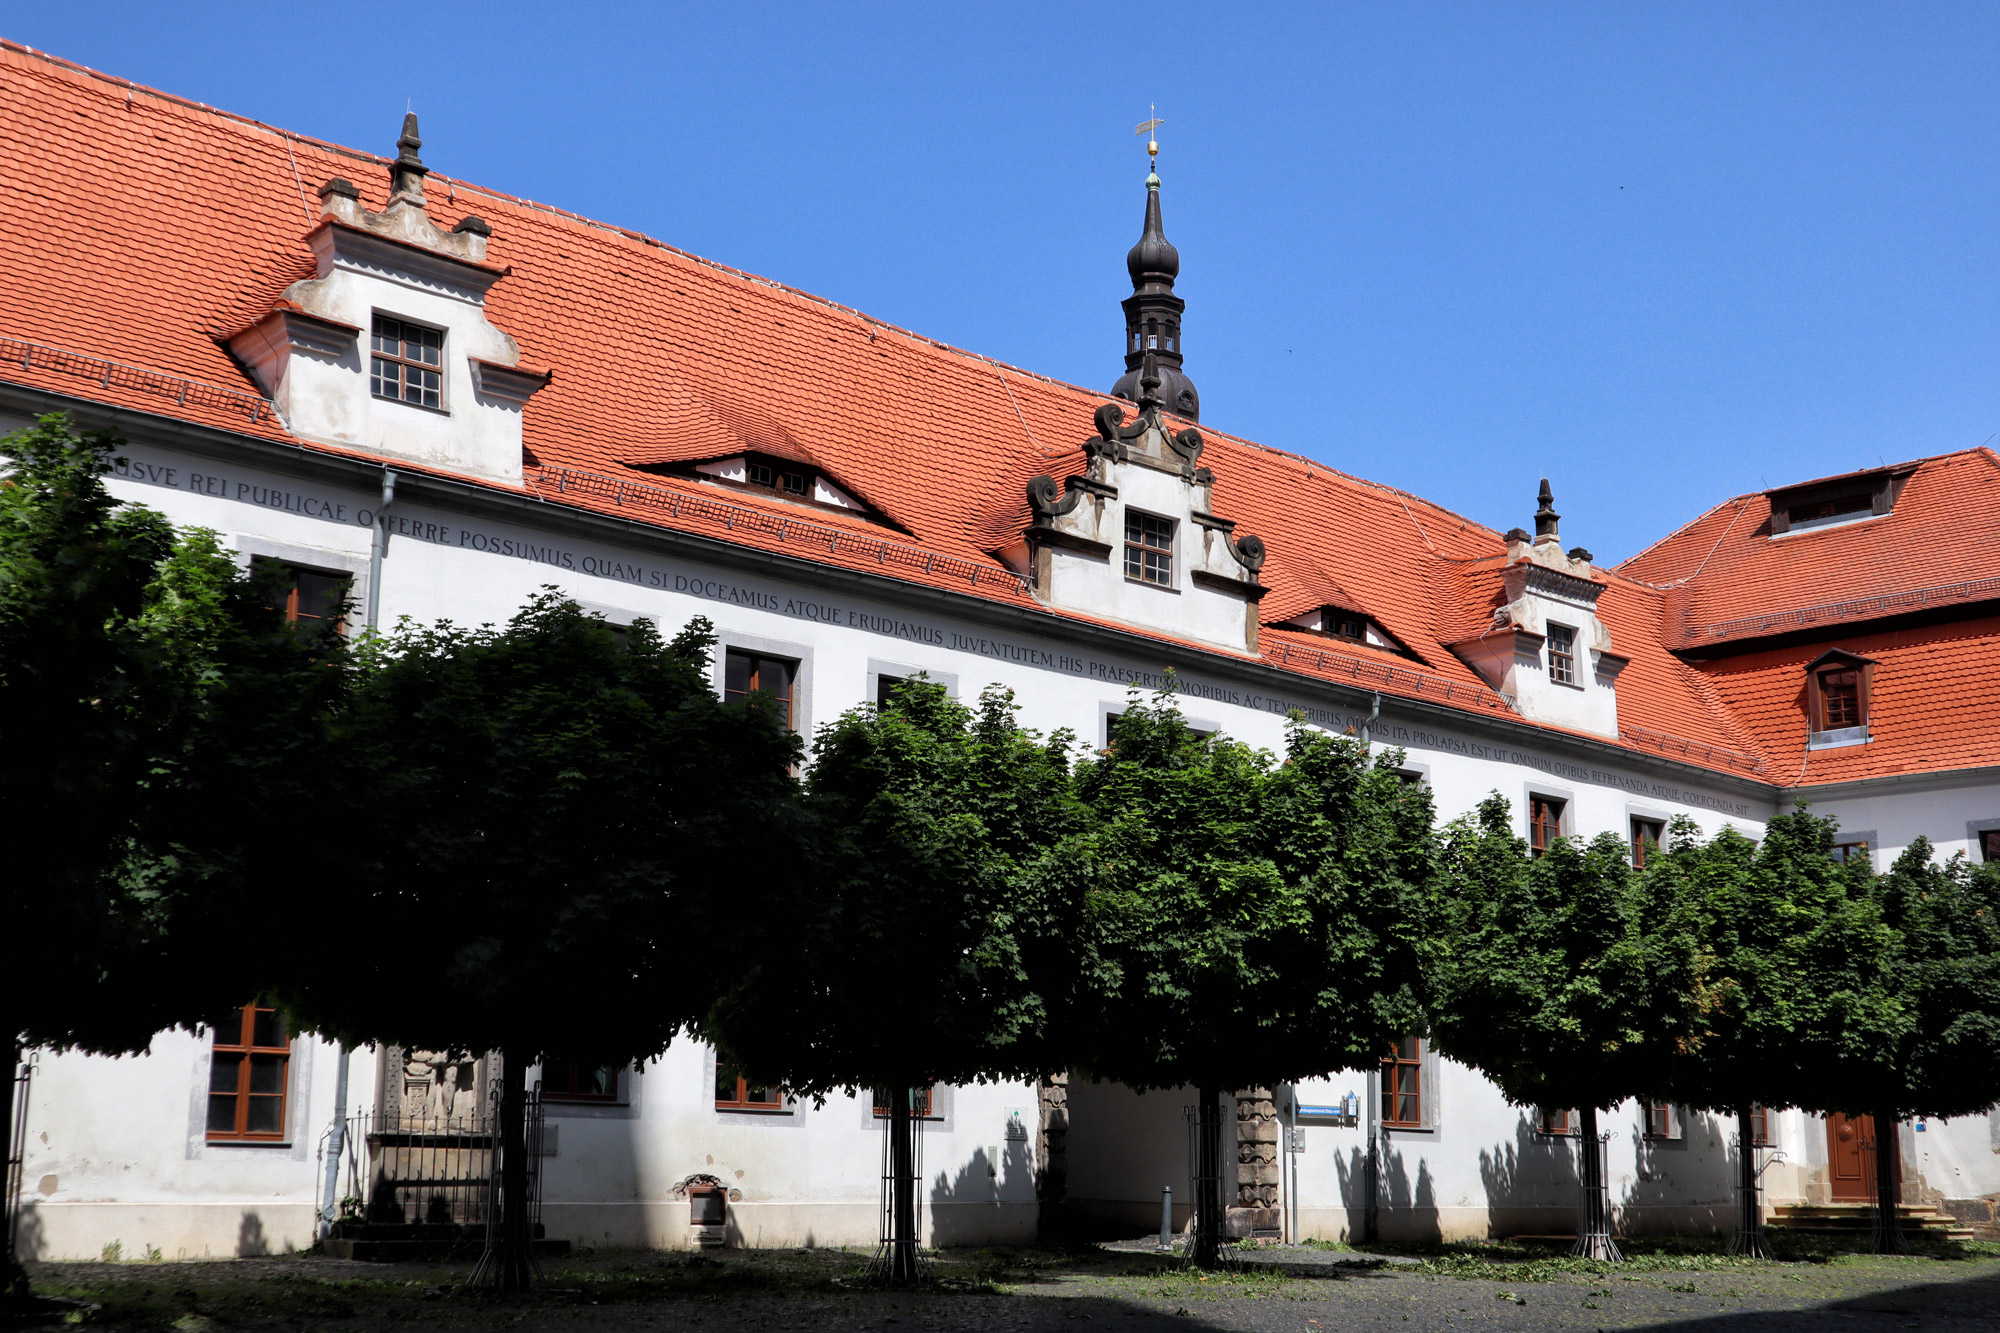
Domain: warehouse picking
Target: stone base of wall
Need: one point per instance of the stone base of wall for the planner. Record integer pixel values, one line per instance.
(56, 1230)
(663, 1225)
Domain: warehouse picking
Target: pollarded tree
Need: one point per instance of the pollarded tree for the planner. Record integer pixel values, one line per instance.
(1565, 979)
(550, 811)
(113, 627)
(1790, 957)
(1925, 1040)
(1250, 921)
(927, 939)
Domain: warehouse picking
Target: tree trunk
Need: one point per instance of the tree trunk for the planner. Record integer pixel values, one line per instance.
(1208, 1178)
(508, 1263)
(13, 1274)
(903, 1190)
(1888, 1184)
(1593, 1208)
(1750, 1223)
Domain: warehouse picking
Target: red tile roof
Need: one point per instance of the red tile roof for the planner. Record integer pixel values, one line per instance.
(135, 228)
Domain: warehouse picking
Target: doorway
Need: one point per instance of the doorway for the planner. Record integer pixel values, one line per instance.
(1850, 1157)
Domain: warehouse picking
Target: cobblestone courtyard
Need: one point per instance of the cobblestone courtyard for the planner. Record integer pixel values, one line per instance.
(1310, 1292)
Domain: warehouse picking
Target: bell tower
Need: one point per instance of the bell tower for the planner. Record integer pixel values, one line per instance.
(1153, 313)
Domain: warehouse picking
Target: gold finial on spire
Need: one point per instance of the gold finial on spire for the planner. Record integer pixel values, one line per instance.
(1146, 127)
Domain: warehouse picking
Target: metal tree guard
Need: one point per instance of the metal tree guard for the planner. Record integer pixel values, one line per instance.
(900, 1258)
(17, 1160)
(487, 1270)
(1749, 1237)
(1593, 1236)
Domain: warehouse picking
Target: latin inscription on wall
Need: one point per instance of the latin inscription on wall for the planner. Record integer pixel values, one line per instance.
(437, 528)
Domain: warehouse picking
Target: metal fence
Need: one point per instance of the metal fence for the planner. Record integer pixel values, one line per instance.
(414, 1170)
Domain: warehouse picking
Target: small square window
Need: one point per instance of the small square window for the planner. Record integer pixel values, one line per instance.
(407, 362)
(1843, 852)
(1663, 1121)
(1989, 845)
(1149, 548)
(707, 1207)
(1760, 1127)
(1562, 654)
(796, 483)
(312, 599)
(760, 474)
(1551, 1121)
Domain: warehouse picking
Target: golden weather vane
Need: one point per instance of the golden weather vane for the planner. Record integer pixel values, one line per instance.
(1147, 127)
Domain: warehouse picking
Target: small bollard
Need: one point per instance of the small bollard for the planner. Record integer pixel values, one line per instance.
(1167, 1217)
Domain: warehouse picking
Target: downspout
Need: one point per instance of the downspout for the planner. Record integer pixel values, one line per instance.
(1369, 1223)
(336, 1139)
(1374, 711)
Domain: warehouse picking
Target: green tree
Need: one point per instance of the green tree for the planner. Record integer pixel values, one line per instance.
(925, 939)
(1790, 957)
(553, 809)
(1925, 1042)
(1565, 979)
(1250, 921)
(111, 628)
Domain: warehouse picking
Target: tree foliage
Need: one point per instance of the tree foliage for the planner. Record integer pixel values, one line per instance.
(1250, 921)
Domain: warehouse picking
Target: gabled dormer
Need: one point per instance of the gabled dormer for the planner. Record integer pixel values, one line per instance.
(1135, 537)
(1347, 625)
(387, 347)
(1546, 646)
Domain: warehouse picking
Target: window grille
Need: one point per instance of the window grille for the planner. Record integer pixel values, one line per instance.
(408, 362)
(1562, 654)
(1149, 548)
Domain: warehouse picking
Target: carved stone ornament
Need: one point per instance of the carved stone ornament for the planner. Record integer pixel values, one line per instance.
(1048, 500)
(1249, 551)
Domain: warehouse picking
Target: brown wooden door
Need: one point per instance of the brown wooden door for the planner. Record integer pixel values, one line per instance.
(1850, 1157)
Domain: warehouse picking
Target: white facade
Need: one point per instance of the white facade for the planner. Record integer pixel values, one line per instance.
(116, 1147)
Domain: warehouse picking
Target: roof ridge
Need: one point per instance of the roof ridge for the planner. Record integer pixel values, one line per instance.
(646, 238)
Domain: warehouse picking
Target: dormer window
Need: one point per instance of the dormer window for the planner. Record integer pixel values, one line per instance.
(1562, 654)
(1837, 686)
(1848, 499)
(1839, 698)
(408, 362)
(1149, 548)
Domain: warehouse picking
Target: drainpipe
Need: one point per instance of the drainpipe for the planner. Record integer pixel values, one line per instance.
(1369, 1224)
(1291, 1159)
(336, 1139)
(1374, 712)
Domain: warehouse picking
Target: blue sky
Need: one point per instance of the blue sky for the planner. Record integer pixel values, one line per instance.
(1660, 253)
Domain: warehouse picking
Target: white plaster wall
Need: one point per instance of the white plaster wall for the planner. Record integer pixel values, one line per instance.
(1941, 808)
(117, 1153)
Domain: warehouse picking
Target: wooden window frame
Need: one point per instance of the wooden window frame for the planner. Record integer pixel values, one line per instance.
(1857, 850)
(698, 1193)
(758, 662)
(1989, 844)
(297, 574)
(403, 364)
(1646, 830)
(1154, 564)
(927, 1107)
(245, 1050)
(1555, 1123)
(884, 683)
(1816, 701)
(1664, 1122)
(560, 1078)
(1403, 1077)
(741, 1100)
(1562, 654)
(1543, 833)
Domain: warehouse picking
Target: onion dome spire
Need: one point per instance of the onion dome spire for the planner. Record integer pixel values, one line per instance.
(1153, 313)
